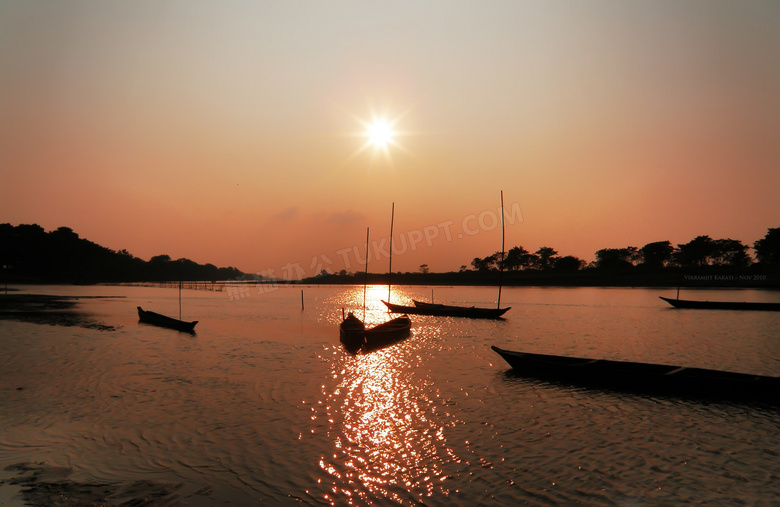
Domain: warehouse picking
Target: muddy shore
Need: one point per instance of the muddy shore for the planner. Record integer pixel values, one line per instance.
(48, 309)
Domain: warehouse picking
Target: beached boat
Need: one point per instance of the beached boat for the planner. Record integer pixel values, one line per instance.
(356, 337)
(721, 305)
(157, 319)
(644, 377)
(441, 310)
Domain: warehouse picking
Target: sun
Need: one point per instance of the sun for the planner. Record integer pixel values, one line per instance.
(380, 133)
(381, 137)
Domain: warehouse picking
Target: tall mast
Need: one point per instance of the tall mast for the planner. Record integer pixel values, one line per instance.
(501, 269)
(390, 272)
(365, 278)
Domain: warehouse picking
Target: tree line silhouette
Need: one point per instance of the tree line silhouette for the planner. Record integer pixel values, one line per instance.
(700, 252)
(30, 254)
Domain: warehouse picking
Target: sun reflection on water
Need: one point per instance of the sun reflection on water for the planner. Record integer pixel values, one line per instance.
(388, 438)
(351, 300)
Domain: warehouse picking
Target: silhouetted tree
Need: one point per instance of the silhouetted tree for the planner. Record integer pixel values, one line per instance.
(517, 258)
(479, 264)
(696, 253)
(65, 233)
(616, 258)
(494, 261)
(489, 263)
(159, 268)
(568, 263)
(531, 261)
(424, 269)
(730, 252)
(61, 256)
(546, 257)
(656, 255)
(26, 231)
(705, 251)
(768, 248)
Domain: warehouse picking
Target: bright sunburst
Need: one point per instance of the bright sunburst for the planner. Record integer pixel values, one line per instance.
(380, 134)
(381, 137)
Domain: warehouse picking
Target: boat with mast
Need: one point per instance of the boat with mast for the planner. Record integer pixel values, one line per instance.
(357, 338)
(157, 319)
(443, 310)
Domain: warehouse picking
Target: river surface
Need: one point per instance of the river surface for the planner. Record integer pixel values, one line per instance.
(264, 406)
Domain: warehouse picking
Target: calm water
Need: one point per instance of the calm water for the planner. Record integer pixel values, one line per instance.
(264, 405)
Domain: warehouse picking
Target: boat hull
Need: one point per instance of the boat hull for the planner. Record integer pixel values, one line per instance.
(721, 305)
(356, 338)
(644, 377)
(160, 320)
(440, 310)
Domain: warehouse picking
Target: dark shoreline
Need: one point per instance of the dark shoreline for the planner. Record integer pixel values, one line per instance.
(705, 278)
(50, 310)
(44, 484)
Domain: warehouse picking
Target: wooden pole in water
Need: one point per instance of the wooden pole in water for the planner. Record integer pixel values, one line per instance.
(179, 299)
(365, 277)
(301, 299)
(390, 269)
(501, 270)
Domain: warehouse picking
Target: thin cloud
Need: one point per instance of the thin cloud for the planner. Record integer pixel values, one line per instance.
(287, 214)
(344, 217)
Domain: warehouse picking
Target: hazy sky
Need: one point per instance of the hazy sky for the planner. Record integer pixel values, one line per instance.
(232, 132)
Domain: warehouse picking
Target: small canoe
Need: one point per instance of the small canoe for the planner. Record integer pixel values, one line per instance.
(644, 377)
(160, 320)
(721, 305)
(356, 337)
(441, 310)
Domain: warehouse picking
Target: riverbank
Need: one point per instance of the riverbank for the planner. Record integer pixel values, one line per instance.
(49, 309)
(713, 277)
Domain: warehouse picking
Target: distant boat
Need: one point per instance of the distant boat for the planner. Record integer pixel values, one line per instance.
(721, 305)
(356, 337)
(645, 377)
(157, 319)
(441, 310)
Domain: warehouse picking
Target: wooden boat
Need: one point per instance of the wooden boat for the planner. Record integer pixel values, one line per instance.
(441, 310)
(356, 337)
(721, 305)
(644, 377)
(351, 331)
(157, 319)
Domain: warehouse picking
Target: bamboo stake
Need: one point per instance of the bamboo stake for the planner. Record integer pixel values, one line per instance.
(390, 272)
(365, 277)
(503, 237)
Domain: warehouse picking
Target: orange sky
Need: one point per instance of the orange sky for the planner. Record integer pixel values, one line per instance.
(231, 133)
